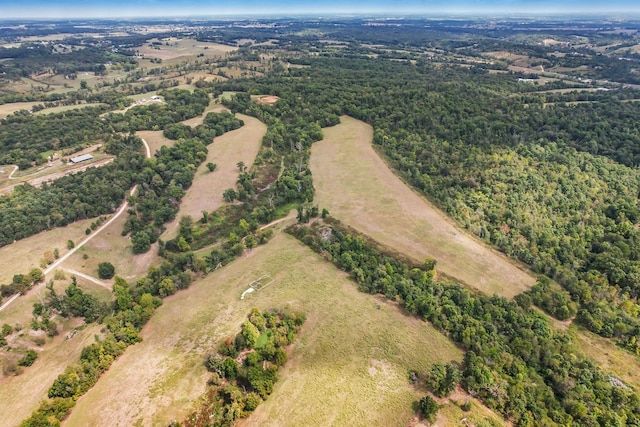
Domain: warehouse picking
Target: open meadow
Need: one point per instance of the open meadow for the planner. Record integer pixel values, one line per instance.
(111, 246)
(155, 139)
(349, 365)
(21, 256)
(20, 395)
(10, 108)
(366, 195)
(226, 151)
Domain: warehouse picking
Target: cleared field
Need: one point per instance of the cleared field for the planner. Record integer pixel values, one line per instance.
(67, 108)
(368, 196)
(178, 48)
(25, 254)
(7, 109)
(452, 415)
(348, 367)
(111, 246)
(607, 355)
(200, 119)
(226, 151)
(21, 395)
(155, 139)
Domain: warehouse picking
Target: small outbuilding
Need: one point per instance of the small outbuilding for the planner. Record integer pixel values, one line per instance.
(81, 158)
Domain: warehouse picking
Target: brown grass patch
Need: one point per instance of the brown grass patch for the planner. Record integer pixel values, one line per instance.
(7, 109)
(226, 151)
(21, 395)
(155, 139)
(607, 355)
(111, 246)
(178, 48)
(357, 187)
(25, 254)
(348, 367)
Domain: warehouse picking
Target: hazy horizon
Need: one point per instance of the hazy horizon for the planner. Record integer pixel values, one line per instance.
(61, 9)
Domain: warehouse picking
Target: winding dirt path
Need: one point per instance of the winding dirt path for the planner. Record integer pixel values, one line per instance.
(87, 277)
(59, 261)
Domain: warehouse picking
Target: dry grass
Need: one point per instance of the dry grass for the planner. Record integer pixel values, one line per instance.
(226, 151)
(67, 108)
(452, 415)
(155, 139)
(111, 246)
(368, 196)
(184, 48)
(21, 395)
(607, 355)
(7, 109)
(25, 254)
(348, 367)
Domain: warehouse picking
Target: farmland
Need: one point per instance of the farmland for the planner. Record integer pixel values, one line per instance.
(240, 145)
(352, 346)
(368, 196)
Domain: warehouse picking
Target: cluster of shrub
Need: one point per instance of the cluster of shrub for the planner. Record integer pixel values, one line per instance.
(245, 368)
(21, 283)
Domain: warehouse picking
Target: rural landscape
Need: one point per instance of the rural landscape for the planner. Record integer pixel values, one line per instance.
(320, 221)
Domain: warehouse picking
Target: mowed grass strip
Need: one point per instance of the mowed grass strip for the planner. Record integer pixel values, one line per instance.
(356, 186)
(240, 145)
(349, 365)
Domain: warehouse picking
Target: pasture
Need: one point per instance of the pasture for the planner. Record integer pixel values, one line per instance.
(21, 395)
(155, 139)
(111, 246)
(226, 151)
(349, 365)
(10, 108)
(25, 254)
(367, 195)
(172, 49)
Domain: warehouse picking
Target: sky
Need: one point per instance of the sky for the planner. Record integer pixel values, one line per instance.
(10, 9)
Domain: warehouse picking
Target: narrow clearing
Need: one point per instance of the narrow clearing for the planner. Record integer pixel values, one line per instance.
(366, 194)
(348, 367)
(226, 151)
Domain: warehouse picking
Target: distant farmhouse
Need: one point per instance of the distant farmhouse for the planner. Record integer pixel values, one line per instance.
(82, 158)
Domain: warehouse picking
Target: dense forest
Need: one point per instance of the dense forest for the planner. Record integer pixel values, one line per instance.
(550, 185)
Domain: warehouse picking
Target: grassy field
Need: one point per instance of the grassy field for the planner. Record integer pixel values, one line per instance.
(348, 367)
(607, 355)
(368, 196)
(452, 415)
(155, 139)
(226, 151)
(7, 109)
(111, 246)
(184, 49)
(25, 254)
(22, 394)
(67, 108)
